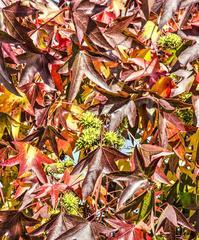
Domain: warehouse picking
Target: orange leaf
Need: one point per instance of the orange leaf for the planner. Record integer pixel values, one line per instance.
(56, 77)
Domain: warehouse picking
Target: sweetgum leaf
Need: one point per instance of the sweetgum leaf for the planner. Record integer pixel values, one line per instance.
(134, 185)
(127, 110)
(83, 66)
(172, 214)
(55, 227)
(29, 158)
(13, 223)
(36, 63)
(101, 160)
(169, 9)
(126, 230)
(189, 54)
(4, 77)
(132, 204)
(10, 14)
(44, 134)
(85, 25)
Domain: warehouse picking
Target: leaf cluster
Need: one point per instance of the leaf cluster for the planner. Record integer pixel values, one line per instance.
(99, 117)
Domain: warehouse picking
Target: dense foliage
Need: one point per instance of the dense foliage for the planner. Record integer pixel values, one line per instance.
(99, 115)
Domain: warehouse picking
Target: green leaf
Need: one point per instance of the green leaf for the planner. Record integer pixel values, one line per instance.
(147, 205)
(189, 200)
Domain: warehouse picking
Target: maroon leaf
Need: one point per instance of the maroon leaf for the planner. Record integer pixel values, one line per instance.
(83, 65)
(148, 68)
(55, 227)
(4, 77)
(44, 134)
(91, 230)
(19, 10)
(18, 31)
(134, 185)
(35, 92)
(126, 231)
(169, 9)
(13, 224)
(175, 217)
(36, 63)
(101, 160)
(29, 159)
(85, 25)
(133, 204)
(127, 110)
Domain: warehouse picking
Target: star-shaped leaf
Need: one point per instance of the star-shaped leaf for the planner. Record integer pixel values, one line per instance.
(126, 231)
(83, 65)
(85, 25)
(36, 63)
(56, 226)
(13, 224)
(10, 14)
(4, 76)
(52, 189)
(127, 110)
(29, 158)
(175, 217)
(35, 92)
(43, 134)
(81, 228)
(101, 160)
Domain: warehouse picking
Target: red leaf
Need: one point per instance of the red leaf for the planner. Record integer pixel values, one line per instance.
(30, 159)
(101, 160)
(56, 77)
(52, 189)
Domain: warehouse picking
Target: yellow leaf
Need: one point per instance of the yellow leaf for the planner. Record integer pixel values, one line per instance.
(123, 165)
(117, 6)
(124, 56)
(151, 31)
(10, 103)
(102, 68)
(194, 145)
(71, 122)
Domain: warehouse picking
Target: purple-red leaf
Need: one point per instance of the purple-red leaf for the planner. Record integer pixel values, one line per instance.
(101, 160)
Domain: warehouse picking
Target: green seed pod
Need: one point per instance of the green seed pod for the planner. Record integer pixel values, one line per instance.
(89, 120)
(186, 115)
(55, 168)
(88, 138)
(185, 96)
(171, 41)
(68, 163)
(71, 203)
(113, 139)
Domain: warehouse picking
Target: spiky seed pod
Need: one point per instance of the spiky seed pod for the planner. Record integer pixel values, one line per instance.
(88, 138)
(185, 96)
(68, 163)
(89, 120)
(71, 203)
(186, 115)
(171, 41)
(113, 139)
(55, 168)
